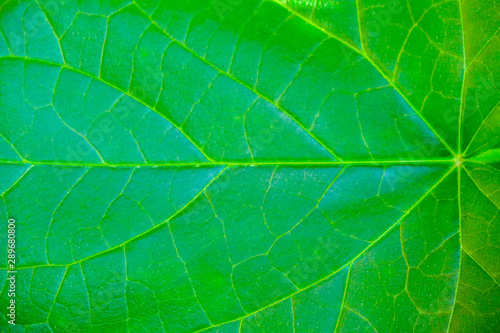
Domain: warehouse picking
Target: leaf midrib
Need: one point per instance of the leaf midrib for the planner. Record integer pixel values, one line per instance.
(188, 164)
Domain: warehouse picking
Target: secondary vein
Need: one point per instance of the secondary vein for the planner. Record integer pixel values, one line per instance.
(377, 67)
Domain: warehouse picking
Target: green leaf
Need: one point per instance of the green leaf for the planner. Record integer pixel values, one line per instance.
(251, 166)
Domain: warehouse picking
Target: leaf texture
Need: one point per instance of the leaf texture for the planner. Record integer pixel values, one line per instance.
(251, 166)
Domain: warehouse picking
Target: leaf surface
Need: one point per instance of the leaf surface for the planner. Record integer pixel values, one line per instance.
(255, 166)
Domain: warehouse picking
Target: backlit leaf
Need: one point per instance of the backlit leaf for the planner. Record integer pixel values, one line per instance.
(251, 166)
